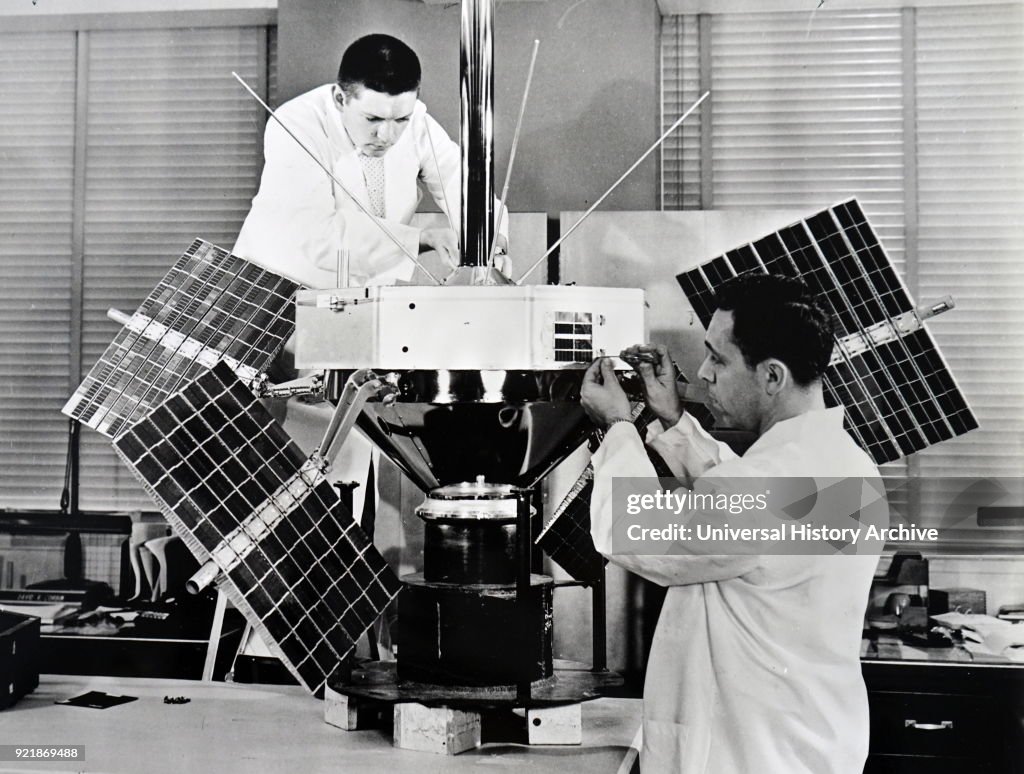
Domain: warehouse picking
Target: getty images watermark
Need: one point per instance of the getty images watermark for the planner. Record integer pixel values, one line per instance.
(823, 516)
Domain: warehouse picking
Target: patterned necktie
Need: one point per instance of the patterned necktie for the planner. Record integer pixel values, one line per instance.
(373, 174)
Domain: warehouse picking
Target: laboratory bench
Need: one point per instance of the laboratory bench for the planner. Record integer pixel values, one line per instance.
(232, 728)
(933, 710)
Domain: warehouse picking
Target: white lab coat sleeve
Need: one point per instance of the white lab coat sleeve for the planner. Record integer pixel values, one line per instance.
(688, 449)
(440, 169)
(294, 227)
(441, 173)
(622, 455)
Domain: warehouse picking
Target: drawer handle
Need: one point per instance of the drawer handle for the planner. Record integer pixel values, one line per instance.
(928, 726)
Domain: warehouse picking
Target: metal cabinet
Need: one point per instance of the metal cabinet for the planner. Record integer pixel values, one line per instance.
(939, 718)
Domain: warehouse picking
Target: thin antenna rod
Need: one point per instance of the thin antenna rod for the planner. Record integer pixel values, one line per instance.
(437, 168)
(625, 174)
(337, 182)
(512, 156)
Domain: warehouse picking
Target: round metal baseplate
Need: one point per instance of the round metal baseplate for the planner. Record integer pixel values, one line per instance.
(571, 682)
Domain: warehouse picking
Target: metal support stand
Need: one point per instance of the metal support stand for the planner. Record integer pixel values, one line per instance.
(599, 635)
(524, 566)
(69, 497)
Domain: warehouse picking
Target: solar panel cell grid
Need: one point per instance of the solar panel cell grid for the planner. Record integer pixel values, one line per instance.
(696, 289)
(301, 570)
(209, 304)
(717, 271)
(566, 538)
(899, 395)
(743, 260)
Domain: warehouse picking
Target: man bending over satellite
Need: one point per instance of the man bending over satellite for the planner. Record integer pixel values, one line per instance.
(755, 663)
(375, 136)
(370, 129)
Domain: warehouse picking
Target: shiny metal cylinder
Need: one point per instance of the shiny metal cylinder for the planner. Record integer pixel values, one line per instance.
(477, 132)
(203, 577)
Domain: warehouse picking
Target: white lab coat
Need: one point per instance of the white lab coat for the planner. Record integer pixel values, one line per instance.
(755, 663)
(300, 219)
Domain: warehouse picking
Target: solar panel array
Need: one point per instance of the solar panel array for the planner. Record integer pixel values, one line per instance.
(899, 394)
(239, 492)
(210, 306)
(566, 537)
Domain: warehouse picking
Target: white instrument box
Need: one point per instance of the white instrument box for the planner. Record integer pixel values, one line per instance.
(399, 327)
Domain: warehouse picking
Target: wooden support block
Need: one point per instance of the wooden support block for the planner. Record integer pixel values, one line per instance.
(555, 725)
(340, 710)
(435, 729)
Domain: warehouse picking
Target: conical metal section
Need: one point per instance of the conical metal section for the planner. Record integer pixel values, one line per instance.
(454, 426)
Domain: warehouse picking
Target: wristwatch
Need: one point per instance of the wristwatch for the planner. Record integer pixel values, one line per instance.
(616, 421)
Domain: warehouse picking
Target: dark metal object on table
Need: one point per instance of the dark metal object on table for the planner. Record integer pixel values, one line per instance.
(570, 682)
(447, 428)
(19, 650)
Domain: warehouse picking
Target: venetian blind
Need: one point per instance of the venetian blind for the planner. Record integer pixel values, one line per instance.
(970, 129)
(37, 128)
(170, 150)
(807, 110)
(173, 149)
(680, 88)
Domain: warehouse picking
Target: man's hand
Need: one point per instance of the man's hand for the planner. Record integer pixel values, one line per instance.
(444, 241)
(501, 260)
(602, 396)
(659, 376)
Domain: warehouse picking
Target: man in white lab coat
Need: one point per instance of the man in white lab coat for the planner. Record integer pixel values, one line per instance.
(370, 129)
(754, 666)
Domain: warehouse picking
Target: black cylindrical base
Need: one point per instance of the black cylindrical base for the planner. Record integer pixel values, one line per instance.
(474, 634)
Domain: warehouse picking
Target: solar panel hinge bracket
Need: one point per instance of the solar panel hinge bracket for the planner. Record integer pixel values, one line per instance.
(362, 386)
(306, 385)
(888, 330)
(334, 302)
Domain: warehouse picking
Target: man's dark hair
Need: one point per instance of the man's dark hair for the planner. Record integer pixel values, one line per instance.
(775, 316)
(381, 63)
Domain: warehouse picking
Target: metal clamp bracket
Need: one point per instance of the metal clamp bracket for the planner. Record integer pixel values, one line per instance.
(306, 385)
(362, 386)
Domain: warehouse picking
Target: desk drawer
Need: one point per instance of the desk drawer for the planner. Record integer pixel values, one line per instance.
(932, 724)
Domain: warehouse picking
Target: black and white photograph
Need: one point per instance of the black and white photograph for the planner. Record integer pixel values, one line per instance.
(598, 386)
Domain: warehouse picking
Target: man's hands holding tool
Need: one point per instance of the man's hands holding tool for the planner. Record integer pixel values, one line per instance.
(606, 402)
